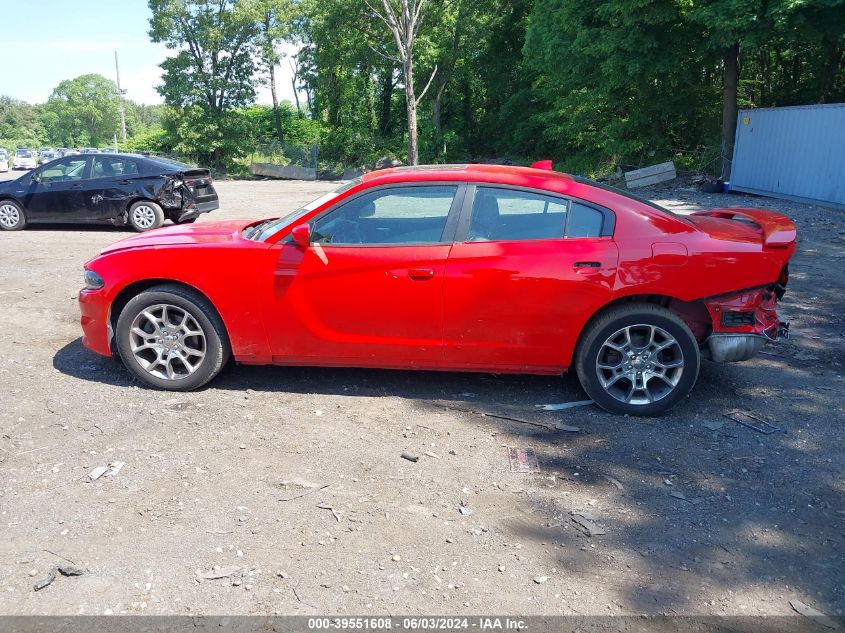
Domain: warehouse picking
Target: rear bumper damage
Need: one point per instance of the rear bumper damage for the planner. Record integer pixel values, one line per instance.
(743, 323)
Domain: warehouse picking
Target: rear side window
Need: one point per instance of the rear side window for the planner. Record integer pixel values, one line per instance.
(105, 167)
(584, 221)
(510, 214)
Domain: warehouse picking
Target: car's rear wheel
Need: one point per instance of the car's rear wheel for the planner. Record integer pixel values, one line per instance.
(12, 217)
(145, 216)
(638, 359)
(172, 338)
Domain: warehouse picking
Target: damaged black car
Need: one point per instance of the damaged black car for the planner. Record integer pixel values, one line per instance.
(120, 189)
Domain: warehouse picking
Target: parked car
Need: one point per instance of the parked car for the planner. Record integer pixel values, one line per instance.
(4, 161)
(61, 152)
(24, 159)
(466, 268)
(46, 155)
(116, 189)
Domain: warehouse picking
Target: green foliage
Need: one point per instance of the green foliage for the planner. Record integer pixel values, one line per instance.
(82, 112)
(214, 67)
(20, 124)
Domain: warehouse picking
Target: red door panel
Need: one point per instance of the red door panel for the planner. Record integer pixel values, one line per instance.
(379, 306)
(520, 305)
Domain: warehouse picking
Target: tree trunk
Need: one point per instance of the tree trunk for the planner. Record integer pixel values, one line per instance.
(729, 108)
(385, 126)
(437, 118)
(277, 118)
(411, 102)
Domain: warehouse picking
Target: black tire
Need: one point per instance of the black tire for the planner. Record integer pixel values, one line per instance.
(216, 346)
(643, 316)
(145, 215)
(12, 216)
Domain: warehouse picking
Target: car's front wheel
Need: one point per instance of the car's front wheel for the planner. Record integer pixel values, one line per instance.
(172, 338)
(12, 217)
(145, 216)
(638, 359)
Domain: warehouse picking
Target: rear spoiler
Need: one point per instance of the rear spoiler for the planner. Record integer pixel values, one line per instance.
(777, 229)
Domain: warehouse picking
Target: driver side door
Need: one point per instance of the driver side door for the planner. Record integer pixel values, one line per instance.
(56, 193)
(368, 290)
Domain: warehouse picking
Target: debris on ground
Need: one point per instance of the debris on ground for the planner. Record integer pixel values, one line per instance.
(410, 457)
(753, 422)
(497, 416)
(678, 495)
(47, 580)
(615, 482)
(432, 454)
(713, 425)
(70, 570)
(307, 492)
(464, 509)
(218, 573)
(567, 428)
(115, 468)
(814, 614)
(98, 472)
(64, 570)
(523, 460)
(326, 506)
(586, 522)
(563, 405)
(540, 579)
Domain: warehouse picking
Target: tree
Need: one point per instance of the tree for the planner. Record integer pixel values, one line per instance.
(83, 111)
(403, 18)
(216, 42)
(275, 18)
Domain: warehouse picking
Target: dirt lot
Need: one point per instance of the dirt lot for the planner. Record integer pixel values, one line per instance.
(293, 477)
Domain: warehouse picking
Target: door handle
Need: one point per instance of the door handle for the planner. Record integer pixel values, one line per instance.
(587, 268)
(421, 274)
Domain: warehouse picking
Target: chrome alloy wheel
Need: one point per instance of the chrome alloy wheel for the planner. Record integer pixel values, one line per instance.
(167, 342)
(640, 364)
(143, 216)
(9, 215)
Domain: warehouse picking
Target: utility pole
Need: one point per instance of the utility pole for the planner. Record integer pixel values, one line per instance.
(120, 93)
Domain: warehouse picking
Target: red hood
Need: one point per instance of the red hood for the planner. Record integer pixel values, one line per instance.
(201, 233)
(747, 225)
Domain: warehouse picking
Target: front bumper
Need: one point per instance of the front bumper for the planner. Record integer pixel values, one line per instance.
(96, 326)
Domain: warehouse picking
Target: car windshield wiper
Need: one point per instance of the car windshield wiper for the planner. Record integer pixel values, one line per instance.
(252, 231)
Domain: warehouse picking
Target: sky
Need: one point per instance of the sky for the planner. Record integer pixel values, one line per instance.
(47, 41)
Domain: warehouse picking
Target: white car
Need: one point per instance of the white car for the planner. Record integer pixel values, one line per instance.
(4, 162)
(24, 159)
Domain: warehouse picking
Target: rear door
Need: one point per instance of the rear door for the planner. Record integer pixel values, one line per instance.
(526, 271)
(369, 289)
(110, 187)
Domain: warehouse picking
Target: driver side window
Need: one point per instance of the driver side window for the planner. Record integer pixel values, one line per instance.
(64, 170)
(396, 215)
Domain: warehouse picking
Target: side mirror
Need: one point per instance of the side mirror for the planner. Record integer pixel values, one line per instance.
(301, 235)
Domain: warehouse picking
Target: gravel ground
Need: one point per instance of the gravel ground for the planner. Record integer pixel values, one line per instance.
(290, 482)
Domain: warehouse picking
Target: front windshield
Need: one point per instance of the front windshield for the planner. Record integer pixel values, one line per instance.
(265, 230)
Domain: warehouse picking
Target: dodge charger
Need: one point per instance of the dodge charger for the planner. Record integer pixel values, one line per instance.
(461, 268)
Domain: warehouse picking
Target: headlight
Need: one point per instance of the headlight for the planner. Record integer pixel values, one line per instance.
(92, 280)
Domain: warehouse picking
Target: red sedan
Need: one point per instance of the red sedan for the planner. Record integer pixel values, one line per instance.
(460, 268)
